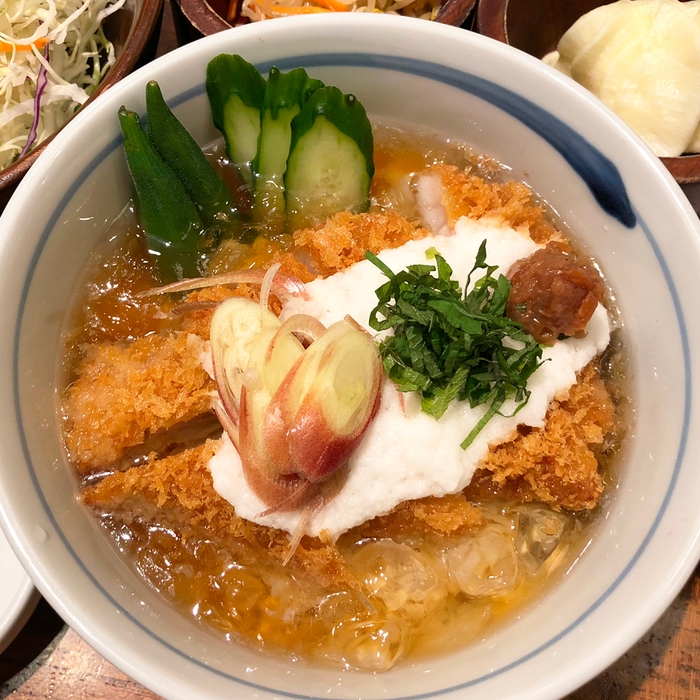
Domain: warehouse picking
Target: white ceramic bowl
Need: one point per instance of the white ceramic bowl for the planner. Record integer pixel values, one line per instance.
(553, 135)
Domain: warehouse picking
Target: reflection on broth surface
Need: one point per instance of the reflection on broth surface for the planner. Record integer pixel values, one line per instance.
(434, 573)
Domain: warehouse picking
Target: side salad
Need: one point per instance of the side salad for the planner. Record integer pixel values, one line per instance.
(53, 54)
(257, 10)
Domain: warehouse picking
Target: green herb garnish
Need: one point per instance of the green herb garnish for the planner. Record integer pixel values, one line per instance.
(450, 345)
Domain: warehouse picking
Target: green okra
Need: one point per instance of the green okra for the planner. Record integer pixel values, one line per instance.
(185, 158)
(168, 216)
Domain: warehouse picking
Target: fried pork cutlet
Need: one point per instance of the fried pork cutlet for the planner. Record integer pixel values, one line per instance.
(198, 308)
(342, 240)
(125, 393)
(555, 464)
(440, 516)
(178, 491)
(463, 194)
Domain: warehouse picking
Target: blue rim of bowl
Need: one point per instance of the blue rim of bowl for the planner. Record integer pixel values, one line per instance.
(500, 97)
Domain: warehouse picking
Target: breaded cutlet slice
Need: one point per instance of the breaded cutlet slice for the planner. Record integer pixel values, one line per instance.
(342, 239)
(124, 393)
(555, 464)
(178, 491)
(511, 202)
(198, 320)
(438, 516)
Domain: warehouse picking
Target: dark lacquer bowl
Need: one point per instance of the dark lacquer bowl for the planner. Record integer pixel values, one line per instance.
(132, 30)
(198, 18)
(535, 26)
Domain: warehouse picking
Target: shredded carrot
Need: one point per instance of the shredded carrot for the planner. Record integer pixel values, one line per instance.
(6, 46)
(232, 11)
(304, 10)
(334, 5)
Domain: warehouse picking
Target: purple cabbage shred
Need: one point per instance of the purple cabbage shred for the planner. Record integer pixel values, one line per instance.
(42, 81)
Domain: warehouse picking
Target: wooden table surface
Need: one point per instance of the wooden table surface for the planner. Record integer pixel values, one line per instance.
(50, 661)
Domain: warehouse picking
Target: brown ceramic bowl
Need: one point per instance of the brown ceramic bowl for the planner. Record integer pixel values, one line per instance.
(535, 26)
(198, 18)
(132, 30)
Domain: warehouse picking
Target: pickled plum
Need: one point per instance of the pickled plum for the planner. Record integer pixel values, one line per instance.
(553, 294)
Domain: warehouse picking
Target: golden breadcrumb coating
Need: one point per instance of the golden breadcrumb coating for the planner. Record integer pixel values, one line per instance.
(511, 202)
(198, 319)
(343, 239)
(556, 464)
(124, 393)
(291, 265)
(446, 515)
(179, 491)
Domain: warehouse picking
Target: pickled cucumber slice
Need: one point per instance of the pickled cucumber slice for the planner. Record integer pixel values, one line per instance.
(236, 91)
(330, 164)
(285, 95)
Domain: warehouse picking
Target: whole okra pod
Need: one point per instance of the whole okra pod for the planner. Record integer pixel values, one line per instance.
(184, 156)
(168, 216)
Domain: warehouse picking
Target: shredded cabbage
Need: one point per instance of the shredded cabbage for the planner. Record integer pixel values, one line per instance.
(79, 54)
(257, 10)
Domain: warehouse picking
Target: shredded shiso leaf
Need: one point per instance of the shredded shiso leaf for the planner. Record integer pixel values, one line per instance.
(451, 345)
(78, 56)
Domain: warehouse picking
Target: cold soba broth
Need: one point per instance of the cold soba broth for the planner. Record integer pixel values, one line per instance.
(432, 574)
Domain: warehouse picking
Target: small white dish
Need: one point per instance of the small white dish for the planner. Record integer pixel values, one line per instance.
(18, 597)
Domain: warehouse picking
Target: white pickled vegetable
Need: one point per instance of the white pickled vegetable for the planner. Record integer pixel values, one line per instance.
(642, 59)
(592, 64)
(587, 28)
(691, 8)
